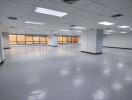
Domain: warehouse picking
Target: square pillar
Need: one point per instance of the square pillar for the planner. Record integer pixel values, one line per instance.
(2, 56)
(53, 40)
(91, 41)
(5, 38)
(79, 40)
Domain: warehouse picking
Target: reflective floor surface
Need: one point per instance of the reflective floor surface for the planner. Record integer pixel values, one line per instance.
(63, 73)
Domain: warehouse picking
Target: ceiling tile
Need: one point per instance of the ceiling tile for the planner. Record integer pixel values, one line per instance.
(127, 11)
(117, 4)
(99, 9)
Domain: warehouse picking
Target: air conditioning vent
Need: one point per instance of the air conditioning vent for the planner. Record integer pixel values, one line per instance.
(12, 27)
(72, 25)
(70, 1)
(117, 15)
(12, 18)
(91, 29)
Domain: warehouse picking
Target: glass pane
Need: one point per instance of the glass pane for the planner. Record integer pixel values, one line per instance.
(43, 42)
(36, 42)
(20, 42)
(29, 38)
(13, 43)
(73, 39)
(29, 42)
(59, 38)
(20, 37)
(65, 39)
(12, 37)
(36, 38)
(43, 38)
(69, 39)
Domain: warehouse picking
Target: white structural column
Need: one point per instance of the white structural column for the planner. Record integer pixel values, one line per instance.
(79, 41)
(5, 37)
(91, 41)
(2, 56)
(53, 40)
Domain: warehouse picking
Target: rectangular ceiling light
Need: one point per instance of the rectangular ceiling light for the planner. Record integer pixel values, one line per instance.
(124, 26)
(64, 30)
(37, 23)
(106, 23)
(109, 31)
(123, 32)
(49, 12)
(82, 28)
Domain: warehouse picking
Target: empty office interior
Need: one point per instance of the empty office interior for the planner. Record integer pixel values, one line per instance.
(65, 49)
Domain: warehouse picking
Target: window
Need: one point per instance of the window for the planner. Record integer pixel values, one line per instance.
(13, 39)
(69, 40)
(73, 39)
(36, 39)
(29, 40)
(21, 39)
(65, 40)
(43, 40)
(60, 40)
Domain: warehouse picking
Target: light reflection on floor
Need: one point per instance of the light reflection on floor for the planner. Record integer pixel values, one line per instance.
(64, 73)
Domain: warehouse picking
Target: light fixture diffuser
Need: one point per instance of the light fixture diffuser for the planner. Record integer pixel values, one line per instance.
(107, 33)
(106, 23)
(37, 23)
(80, 28)
(111, 31)
(49, 12)
(124, 26)
(123, 32)
(64, 30)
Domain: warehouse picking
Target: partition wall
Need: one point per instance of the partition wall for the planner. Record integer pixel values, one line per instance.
(40, 39)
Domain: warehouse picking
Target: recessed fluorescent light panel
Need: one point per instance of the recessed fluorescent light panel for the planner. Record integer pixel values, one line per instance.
(124, 26)
(123, 32)
(106, 23)
(80, 28)
(107, 33)
(37, 23)
(64, 30)
(49, 12)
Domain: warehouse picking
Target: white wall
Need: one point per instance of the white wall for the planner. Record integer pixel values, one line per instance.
(118, 40)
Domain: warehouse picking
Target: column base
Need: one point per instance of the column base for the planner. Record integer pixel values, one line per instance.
(7, 48)
(92, 52)
(2, 61)
(53, 45)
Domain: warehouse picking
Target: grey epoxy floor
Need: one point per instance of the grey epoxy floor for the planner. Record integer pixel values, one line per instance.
(63, 73)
